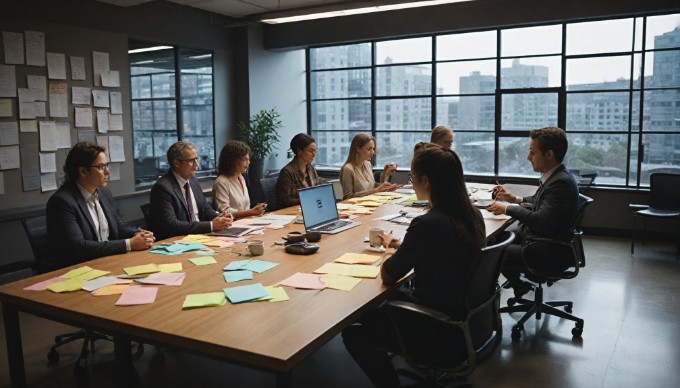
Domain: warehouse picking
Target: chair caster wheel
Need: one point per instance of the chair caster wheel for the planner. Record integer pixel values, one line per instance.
(516, 333)
(568, 309)
(53, 357)
(511, 302)
(577, 331)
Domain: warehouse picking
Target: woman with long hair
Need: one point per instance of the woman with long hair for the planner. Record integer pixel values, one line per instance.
(439, 247)
(356, 175)
(229, 190)
(299, 172)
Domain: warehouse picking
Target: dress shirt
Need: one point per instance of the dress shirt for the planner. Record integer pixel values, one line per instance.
(97, 214)
(517, 199)
(230, 193)
(194, 206)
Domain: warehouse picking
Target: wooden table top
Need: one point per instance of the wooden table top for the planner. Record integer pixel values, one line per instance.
(273, 336)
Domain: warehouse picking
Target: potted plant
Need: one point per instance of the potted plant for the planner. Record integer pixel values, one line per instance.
(260, 133)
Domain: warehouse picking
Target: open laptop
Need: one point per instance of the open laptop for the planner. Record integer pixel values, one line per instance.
(235, 231)
(319, 211)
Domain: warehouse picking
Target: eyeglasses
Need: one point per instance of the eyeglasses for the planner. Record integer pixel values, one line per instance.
(101, 167)
(192, 161)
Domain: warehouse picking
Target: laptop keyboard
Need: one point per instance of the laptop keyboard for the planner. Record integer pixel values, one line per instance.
(234, 231)
(333, 225)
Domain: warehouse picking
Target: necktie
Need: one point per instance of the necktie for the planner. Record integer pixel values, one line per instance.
(190, 206)
(103, 229)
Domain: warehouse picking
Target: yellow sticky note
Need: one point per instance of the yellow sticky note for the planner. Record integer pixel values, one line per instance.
(370, 203)
(141, 269)
(113, 289)
(196, 238)
(66, 285)
(172, 267)
(95, 273)
(203, 260)
(76, 272)
(357, 271)
(376, 198)
(277, 294)
(357, 258)
(204, 300)
(339, 282)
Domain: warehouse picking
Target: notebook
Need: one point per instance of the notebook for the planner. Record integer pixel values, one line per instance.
(319, 211)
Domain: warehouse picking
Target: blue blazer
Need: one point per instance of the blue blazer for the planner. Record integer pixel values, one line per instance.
(168, 212)
(71, 232)
(551, 211)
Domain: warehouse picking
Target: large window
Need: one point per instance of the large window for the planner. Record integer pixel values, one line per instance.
(613, 85)
(172, 99)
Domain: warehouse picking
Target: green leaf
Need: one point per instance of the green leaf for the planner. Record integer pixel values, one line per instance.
(260, 133)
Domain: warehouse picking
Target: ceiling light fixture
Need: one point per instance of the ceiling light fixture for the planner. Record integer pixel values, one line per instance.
(356, 11)
(145, 49)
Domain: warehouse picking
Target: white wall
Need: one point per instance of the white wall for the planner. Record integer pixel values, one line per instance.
(277, 79)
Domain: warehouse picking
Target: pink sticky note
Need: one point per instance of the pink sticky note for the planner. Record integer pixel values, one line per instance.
(137, 295)
(305, 280)
(43, 285)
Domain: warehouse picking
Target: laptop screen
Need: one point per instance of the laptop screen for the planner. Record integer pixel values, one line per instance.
(318, 205)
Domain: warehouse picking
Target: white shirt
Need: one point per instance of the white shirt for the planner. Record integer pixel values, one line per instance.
(92, 201)
(182, 182)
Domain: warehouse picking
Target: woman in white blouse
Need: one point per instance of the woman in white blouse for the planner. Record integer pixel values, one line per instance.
(229, 191)
(356, 175)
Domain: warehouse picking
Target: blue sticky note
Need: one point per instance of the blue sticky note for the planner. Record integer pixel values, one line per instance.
(245, 293)
(187, 247)
(236, 265)
(237, 276)
(260, 266)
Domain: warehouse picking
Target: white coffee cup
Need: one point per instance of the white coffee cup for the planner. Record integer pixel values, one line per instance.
(373, 238)
(256, 247)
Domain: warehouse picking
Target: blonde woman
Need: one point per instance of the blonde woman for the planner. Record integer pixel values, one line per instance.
(356, 175)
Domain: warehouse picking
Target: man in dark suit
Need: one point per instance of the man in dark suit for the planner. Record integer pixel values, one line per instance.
(177, 205)
(549, 213)
(82, 222)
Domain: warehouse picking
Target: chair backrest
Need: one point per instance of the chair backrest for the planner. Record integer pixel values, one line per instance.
(663, 191)
(431, 340)
(36, 230)
(552, 260)
(146, 212)
(269, 188)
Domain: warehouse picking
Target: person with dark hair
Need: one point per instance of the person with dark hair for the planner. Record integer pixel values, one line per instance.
(549, 213)
(299, 172)
(439, 247)
(442, 136)
(177, 205)
(356, 175)
(82, 221)
(229, 190)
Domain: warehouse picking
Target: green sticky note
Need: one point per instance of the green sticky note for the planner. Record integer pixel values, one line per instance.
(208, 299)
(171, 267)
(203, 260)
(76, 272)
(95, 273)
(141, 269)
(66, 285)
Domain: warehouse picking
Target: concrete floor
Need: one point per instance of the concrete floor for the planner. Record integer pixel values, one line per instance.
(631, 307)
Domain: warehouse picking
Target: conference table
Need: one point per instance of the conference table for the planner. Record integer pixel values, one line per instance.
(273, 337)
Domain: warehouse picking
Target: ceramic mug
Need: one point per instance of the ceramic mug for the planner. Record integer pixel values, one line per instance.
(373, 239)
(256, 247)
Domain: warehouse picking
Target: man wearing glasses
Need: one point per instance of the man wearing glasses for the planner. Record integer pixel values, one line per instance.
(177, 205)
(82, 222)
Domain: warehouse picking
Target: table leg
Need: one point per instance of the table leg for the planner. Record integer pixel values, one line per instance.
(15, 352)
(125, 372)
(283, 380)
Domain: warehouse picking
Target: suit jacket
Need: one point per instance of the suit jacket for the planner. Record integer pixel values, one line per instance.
(71, 231)
(168, 212)
(551, 211)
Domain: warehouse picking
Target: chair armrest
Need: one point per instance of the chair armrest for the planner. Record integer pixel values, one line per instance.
(419, 309)
(637, 206)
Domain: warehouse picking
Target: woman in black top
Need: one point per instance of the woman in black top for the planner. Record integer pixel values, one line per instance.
(439, 246)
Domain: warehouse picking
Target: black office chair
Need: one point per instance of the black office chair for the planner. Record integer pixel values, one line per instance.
(269, 188)
(439, 347)
(664, 203)
(146, 212)
(571, 254)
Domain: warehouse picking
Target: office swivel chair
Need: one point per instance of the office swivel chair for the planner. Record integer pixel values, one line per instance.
(269, 189)
(36, 230)
(533, 252)
(664, 203)
(146, 212)
(439, 347)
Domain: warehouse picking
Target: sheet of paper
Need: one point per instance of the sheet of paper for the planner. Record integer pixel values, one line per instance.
(48, 136)
(134, 295)
(30, 177)
(358, 271)
(67, 285)
(113, 289)
(8, 81)
(76, 272)
(115, 122)
(357, 258)
(116, 99)
(95, 284)
(100, 98)
(305, 281)
(170, 267)
(35, 48)
(58, 99)
(339, 282)
(6, 107)
(78, 68)
(86, 135)
(80, 95)
(38, 86)
(26, 103)
(100, 64)
(209, 299)
(168, 279)
(237, 276)
(40, 109)
(48, 182)
(9, 157)
(116, 151)
(94, 274)
(260, 266)
(276, 294)
(83, 117)
(111, 79)
(490, 216)
(204, 260)
(63, 135)
(56, 66)
(245, 293)
(102, 120)
(41, 286)
(28, 126)
(13, 42)
(141, 269)
(48, 162)
(9, 133)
